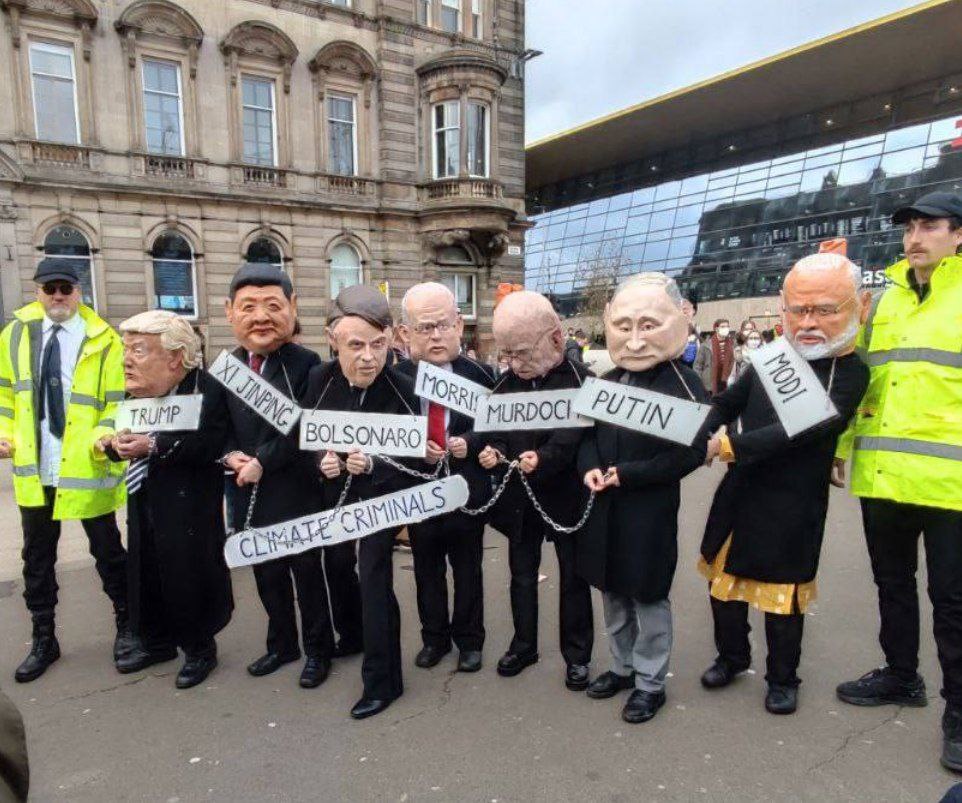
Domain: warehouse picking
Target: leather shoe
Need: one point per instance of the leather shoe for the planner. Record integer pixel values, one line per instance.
(139, 658)
(608, 685)
(346, 649)
(469, 661)
(365, 708)
(720, 674)
(952, 738)
(512, 664)
(430, 656)
(781, 699)
(43, 652)
(576, 677)
(315, 672)
(270, 662)
(642, 705)
(195, 671)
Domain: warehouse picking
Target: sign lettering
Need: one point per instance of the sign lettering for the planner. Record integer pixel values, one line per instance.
(448, 389)
(372, 433)
(162, 414)
(792, 387)
(256, 392)
(543, 409)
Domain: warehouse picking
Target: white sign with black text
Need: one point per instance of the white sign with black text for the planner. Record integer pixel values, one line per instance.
(448, 389)
(371, 433)
(646, 411)
(256, 392)
(792, 387)
(540, 409)
(161, 414)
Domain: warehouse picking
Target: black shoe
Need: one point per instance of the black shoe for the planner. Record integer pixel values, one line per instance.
(883, 687)
(315, 672)
(720, 674)
(139, 658)
(430, 656)
(952, 738)
(608, 685)
(125, 641)
(469, 661)
(195, 671)
(781, 699)
(576, 677)
(270, 662)
(365, 708)
(43, 652)
(345, 649)
(512, 664)
(642, 705)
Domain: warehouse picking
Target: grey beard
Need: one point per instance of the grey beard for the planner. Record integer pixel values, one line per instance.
(831, 347)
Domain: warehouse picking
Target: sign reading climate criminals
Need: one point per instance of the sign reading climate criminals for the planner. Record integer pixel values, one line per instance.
(347, 523)
(448, 389)
(792, 387)
(542, 409)
(256, 392)
(162, 414)
(646, 411)
(372, 433)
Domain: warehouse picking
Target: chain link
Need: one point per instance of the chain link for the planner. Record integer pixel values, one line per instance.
(558, 528)
(441, 466)
(250, 507)
(497, 494)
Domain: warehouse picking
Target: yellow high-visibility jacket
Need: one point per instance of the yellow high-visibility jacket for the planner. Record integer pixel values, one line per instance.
(89, 484)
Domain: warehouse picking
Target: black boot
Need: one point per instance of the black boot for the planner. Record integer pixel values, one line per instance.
(125, 641)
(44, 651)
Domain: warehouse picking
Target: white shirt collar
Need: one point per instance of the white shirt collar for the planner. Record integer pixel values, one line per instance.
(73, 325)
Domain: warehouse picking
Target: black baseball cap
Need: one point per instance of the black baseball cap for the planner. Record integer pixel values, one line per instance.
(933, 204)
(52, 269)
(260, 274)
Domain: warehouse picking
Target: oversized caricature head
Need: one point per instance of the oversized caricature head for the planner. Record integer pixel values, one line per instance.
(644, 322)
(528, 334)
(261, 308)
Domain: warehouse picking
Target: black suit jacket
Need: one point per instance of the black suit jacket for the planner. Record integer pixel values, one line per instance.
(286, 490)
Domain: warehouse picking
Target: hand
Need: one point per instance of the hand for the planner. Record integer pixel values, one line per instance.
(358, 463)
(458, 447)
(235, 461)
(714, 449)
(595, 480)
(434, 453)
(330, 465)
(838, 472)
(103, 443)
(130, 446)
(611, 478)
(6, 449)
(528, 461)
(489, 457)
(250, 473)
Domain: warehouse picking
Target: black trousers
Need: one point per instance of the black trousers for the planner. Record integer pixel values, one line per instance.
(340, 570)
(524, 559)
(381, 667)
(783, 632)
(892, 533)
(456, 539)
(41, 534)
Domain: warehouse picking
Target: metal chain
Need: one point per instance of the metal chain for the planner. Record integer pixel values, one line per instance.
(558, 528)
(250, 507)
(497, 494)
(441, 466)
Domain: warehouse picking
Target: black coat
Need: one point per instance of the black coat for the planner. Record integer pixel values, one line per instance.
(390, 393)
(460, 425)
(630, 543)
(555, 482)
(182, 501)
(286, 491)
(774, 497)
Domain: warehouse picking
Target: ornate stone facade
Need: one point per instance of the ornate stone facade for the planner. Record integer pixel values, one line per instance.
(335, 165)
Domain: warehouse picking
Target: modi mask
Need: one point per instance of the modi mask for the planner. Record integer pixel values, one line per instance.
(644, 325)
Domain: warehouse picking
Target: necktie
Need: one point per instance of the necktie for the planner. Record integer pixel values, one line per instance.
(436, 429)
(257, 362)
(136, 474)
(357, 396)
(51, 383)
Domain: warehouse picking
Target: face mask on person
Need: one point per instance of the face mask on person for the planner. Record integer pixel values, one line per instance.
(692, 338)
(723, 331)
(753, 342)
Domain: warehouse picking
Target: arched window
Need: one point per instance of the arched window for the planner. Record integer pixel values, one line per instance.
(174, 279)
(461, 281)
(264, 251)
(345, 268)
(67, 242)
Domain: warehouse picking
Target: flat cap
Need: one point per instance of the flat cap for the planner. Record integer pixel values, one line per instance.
(260, 274)
(362, 301)
(53, 269)
(931, 205)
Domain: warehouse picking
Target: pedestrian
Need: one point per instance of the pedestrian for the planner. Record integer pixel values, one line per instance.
(716, 357)
(179, 585)
(628, 548)
(574, 346)
(764, 533)
(61, 376)
(907, 461)
(691, 347)
(743, 355)
(528, 334)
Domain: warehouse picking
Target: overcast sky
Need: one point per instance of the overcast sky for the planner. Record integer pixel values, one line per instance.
(604, 55)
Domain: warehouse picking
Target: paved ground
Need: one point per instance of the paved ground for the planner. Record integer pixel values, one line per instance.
(97, 736)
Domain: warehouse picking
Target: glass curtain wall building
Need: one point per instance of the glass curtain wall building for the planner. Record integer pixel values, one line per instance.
(734, 233)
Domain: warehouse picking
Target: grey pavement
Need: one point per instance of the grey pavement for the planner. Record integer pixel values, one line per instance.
(95, 735)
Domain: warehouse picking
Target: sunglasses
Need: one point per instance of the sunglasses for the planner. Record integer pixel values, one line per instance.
(64, 288)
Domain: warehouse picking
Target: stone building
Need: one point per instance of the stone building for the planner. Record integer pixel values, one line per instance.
(160, 143)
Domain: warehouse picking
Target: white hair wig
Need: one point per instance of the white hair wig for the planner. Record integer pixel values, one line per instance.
(175, 332)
